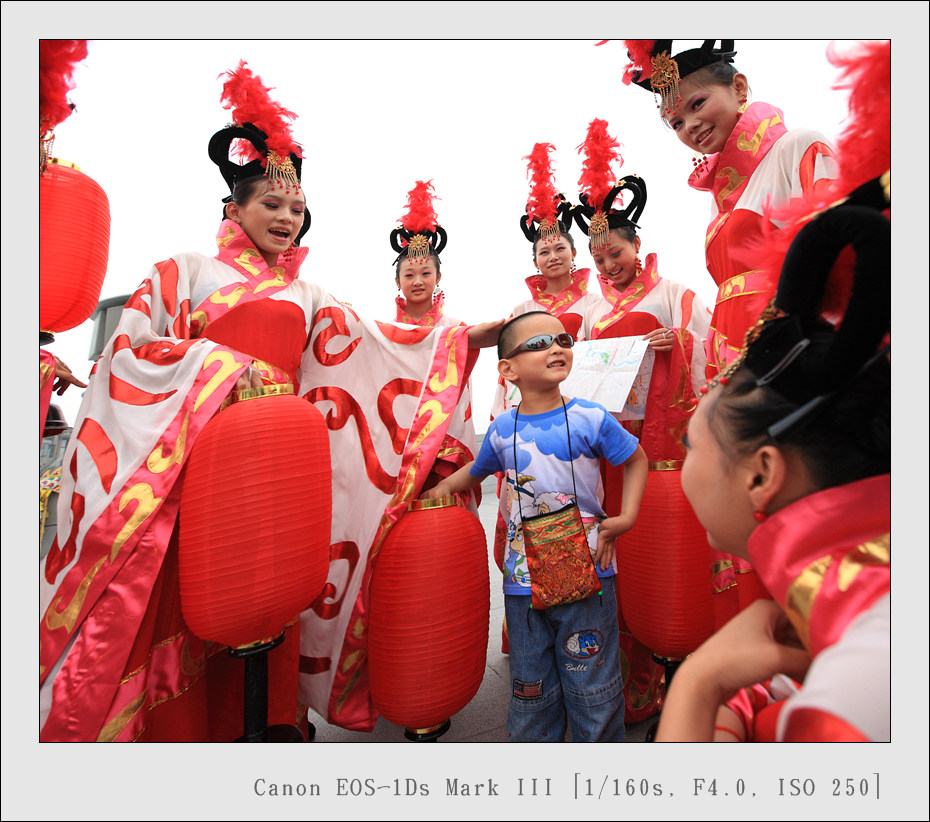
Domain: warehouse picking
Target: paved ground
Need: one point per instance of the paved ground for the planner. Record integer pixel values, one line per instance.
(482, 720)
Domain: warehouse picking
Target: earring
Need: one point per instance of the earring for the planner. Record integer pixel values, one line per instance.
(437, 295)
(699, 161)
(743, 106)
(639, 265)
(760, 516)
(573, 269)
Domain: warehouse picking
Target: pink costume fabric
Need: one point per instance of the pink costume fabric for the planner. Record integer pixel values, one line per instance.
(116, 660)
(46, 384)
(762, 164)
(827, 561)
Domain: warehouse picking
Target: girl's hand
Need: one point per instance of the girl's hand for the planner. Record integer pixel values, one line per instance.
(435, 492)
(250, 378)
(485, 335)
(64, 378)
(752, 647)
(662, 339)
(756, 644)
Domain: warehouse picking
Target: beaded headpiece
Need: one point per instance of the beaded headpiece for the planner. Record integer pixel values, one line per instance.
(547, 213)
(57, 60)
(653, 67)
(419, 232)
(263, 137)
(600, 187)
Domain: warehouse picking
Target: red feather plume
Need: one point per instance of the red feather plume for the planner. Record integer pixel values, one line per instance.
(599, 150)
(57, 59)
(420, 215)
(863, 150)
(543, 198)
(250, 102)
(640, 53)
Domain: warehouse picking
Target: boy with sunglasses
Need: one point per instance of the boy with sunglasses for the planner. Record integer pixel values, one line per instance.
(565, 659)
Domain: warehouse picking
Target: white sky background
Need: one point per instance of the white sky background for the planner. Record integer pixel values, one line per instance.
(385, 121)
(373, 118)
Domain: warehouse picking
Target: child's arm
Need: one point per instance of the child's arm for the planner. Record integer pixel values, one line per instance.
(461, 480)
(634, 484)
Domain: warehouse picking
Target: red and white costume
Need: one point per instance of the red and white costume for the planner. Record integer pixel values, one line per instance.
(647, 303)
(458, 450)
(762, 164)
(827, 561)
(116, 660)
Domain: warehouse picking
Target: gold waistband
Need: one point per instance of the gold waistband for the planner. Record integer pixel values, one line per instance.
(666, 465)
(253, 393)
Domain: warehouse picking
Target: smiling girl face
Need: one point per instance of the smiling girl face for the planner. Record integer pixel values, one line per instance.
(708, 112)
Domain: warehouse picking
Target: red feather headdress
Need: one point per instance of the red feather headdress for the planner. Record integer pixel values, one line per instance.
(57, 59)
(863, 154)
(597, 178)
(419, 229)
(543, 203)
(250, 101)
(640, 54)
(863, 150)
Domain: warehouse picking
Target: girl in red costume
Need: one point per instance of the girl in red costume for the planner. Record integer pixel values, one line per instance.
(788, 464)
(559, 287)
(746, 159)
(638, 302)
(418, 241)
(117, 661)
(749, 162)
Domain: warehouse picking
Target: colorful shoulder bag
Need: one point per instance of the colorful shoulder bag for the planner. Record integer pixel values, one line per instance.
(561, 568)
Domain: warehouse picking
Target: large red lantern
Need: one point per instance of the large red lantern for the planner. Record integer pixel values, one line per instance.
(663, 569)
(255, 519)
(74, 241)
(430, 609)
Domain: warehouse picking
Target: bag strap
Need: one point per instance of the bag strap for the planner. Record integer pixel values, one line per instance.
(571, 461)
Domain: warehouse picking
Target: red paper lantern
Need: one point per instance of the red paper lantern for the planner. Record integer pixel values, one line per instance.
(74, 241)
(430, 610)
(663, 569)
(255, 519)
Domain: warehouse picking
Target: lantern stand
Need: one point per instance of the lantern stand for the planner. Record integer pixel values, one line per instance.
(670, 665)
(255, 717)
(427, 734)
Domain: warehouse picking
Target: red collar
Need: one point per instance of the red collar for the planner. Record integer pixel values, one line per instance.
(430, 318)
(726, 173)
(239, 252)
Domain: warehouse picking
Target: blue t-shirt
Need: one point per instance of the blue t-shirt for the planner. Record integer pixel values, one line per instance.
(543, 473)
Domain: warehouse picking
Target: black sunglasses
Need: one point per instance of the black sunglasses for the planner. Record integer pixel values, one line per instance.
(541, 342)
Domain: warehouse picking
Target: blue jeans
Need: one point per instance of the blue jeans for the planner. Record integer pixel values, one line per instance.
(565, 660)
